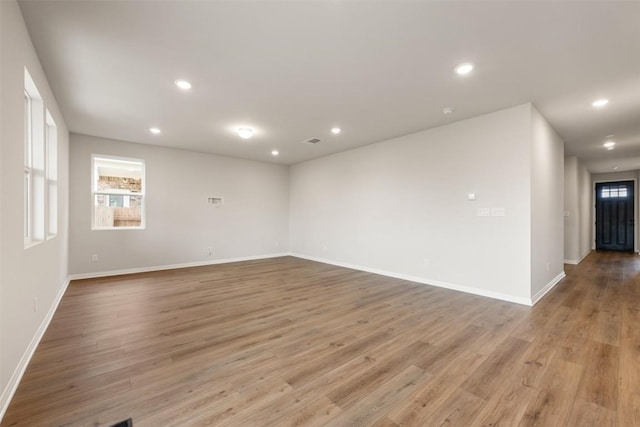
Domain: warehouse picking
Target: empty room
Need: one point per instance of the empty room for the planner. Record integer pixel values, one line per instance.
(319, 213)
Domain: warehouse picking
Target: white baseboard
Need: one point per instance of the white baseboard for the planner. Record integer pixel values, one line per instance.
(584, 256)
(171, 266)
(424, 281)
(14, 381)
(577, 261)
(547, 288)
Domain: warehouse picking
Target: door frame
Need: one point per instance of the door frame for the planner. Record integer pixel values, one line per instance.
(635, 209)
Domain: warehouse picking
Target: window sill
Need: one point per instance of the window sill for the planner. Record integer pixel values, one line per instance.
(28, 243)
(116, 228)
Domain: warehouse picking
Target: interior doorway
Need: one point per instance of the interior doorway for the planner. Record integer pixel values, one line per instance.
(615, 216)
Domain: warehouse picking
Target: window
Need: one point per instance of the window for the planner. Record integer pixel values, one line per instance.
(51, 142)
(614, 192)
(117, 193)
(34, 163)
(27, 168)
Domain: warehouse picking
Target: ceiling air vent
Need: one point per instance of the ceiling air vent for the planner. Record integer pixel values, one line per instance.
(312, 141)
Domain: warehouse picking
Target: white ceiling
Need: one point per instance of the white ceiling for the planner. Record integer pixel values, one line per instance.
(292, 70)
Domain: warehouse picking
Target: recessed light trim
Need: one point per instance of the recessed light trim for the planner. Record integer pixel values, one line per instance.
(599, 103)
(155, 131)
(609, 144)
(464, 69)
(245, 132)
(275, 152)
(447, 110)
(183, 84)
(614, 168)
(336, 130)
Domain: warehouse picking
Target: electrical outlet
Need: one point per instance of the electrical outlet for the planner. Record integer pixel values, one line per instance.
(208, 251)
(94, 258)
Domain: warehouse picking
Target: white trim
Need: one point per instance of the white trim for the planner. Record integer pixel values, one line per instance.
(577, 261)
(424, 281)
(636, 203)
(171, 266)
(584, 256)
(14, 381)
(107, 228)
(95, 192)
(547, 288)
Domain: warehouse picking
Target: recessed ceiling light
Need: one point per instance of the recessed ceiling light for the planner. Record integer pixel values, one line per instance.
(154, 131)
(336, 131)
(464, 69)
(183, 84)
(600, 103)
(610, 136)
(614, 168)
(447, 110)
(609, 144)
(275, 152)
(245, 133)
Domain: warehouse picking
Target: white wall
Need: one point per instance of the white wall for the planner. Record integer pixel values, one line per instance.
(571, 210)
(4, 400)
(40, 271)
(253, 221)
(578, 197)
(547, 199)
(400, 206)
(586, 202)
(617, 176)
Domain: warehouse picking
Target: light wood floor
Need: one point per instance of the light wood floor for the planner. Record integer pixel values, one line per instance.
(292, 342)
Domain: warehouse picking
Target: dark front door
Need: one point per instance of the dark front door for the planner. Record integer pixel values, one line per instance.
(614, 216)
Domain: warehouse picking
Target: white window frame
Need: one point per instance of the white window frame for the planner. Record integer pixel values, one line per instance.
(28, 149)
(51, 175)
(95, 192)
(35, 165)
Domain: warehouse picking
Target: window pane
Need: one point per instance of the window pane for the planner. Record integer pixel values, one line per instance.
(51, 163)
(119, 175)
(614, 192)
(27, 165)
(115, 210)
(115, 201)
(27, 207)
(53, 208)
(27, 130)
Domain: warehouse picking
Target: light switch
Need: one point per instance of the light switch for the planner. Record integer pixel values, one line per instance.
(484, 212)
(471, 196)
(497, 212)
